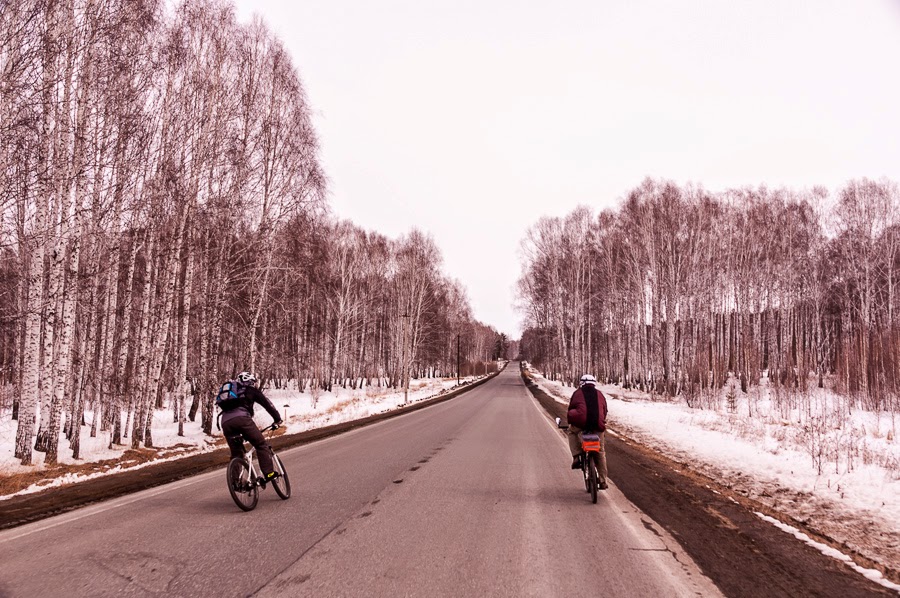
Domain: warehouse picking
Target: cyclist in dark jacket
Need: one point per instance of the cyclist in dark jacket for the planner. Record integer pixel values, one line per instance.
(587, 413)
(238, 424)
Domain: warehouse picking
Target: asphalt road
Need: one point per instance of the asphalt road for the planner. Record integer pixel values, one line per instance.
(471, 497)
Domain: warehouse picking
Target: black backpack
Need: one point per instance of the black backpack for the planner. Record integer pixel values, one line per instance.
(231, 396)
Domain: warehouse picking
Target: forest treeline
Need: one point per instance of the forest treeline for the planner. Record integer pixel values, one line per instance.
(680, 290)
(163, 225)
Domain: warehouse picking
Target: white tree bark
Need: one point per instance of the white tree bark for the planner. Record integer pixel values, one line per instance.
(181, 380)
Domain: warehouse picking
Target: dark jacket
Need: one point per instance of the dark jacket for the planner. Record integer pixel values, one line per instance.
(251, 395)
(587, 409)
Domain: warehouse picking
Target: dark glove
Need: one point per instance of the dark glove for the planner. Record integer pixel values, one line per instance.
(277, 424)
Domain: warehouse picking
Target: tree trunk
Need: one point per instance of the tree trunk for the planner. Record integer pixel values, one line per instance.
(182, 384)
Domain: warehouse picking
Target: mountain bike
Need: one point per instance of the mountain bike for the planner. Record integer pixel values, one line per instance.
(590, 460)
(245, 478)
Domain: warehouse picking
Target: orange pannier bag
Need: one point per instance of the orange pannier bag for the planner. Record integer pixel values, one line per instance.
(590, 443)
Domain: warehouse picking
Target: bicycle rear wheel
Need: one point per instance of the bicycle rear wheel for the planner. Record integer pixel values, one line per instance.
(244, 491)
(282, 483)
(592, 475)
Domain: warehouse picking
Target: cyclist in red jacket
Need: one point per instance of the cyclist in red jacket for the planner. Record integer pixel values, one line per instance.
(587, 413)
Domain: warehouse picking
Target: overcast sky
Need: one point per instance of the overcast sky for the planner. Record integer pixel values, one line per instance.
(471, 119)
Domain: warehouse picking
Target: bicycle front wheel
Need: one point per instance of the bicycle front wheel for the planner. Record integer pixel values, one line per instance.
(592, 476)
(244, 490)
(282, 483)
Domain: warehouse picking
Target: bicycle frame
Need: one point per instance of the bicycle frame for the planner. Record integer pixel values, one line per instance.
(245, 478)
(254, 473)
(591, 447)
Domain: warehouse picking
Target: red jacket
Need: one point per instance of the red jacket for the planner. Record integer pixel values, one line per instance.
(581, 406)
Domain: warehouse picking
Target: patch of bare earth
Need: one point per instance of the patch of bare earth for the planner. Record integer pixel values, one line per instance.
(865, 536)
(49, 474)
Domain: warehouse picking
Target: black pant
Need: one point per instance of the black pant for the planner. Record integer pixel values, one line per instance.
(238, 429)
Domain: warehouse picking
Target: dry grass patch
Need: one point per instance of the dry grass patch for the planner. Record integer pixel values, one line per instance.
(46, 475)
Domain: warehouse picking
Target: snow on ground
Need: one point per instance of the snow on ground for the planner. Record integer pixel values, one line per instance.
(833, 469)
(301, 411)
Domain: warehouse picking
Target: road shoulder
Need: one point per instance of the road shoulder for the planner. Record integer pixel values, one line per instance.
(742, 553)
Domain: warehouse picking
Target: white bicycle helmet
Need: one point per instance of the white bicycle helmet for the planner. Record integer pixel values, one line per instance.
(247, 379)
(588, 379)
